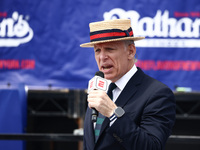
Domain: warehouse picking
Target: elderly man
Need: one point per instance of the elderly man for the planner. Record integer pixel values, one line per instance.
(140, 112)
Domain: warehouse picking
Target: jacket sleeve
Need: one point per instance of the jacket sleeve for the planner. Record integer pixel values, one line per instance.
(153, 125)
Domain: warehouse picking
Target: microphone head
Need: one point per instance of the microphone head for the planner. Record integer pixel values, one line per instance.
(99, 73)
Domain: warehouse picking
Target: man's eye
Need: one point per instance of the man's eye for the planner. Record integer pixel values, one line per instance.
(109, 48)
(97, 50)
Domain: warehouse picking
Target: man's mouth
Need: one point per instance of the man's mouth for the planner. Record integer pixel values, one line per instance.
(106, 68)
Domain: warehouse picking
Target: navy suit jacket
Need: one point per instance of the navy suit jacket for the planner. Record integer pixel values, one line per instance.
(147, 123)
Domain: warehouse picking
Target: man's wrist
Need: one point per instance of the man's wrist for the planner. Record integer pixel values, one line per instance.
(118, 112)
(113, 117)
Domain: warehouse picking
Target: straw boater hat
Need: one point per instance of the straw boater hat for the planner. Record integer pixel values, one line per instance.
(110, 30)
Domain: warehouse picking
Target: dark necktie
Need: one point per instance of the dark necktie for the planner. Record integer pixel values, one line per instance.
(101, 118)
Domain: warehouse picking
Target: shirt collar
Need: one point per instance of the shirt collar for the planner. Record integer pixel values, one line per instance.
(121, 83)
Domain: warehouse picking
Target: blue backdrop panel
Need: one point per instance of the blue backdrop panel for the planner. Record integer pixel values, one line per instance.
(39, 40)
(12, 115)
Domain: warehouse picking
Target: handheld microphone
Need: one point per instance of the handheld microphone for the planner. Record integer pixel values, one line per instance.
(97, 82)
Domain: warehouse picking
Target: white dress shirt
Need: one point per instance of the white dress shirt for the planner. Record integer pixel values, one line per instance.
(121, 83)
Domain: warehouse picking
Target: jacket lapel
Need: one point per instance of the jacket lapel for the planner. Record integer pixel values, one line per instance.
(126, 94)
(130, 88)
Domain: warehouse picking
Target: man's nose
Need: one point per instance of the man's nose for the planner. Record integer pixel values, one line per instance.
(103, 56)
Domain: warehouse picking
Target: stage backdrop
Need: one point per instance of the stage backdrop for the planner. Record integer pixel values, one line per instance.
(39, 40)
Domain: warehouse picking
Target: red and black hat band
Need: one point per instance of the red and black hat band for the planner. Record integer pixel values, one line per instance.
(110, 34)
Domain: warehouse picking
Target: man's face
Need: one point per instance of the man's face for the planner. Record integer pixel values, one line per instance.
(114, 59)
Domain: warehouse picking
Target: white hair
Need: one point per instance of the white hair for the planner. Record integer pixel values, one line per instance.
(129, 42)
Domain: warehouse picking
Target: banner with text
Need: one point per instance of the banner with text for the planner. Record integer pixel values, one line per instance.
(39, 40)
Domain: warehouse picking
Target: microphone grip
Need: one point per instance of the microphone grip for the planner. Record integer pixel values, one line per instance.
(94, 114)
(94, 111)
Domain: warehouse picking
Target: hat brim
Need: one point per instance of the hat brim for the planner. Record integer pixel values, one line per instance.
(91, 44)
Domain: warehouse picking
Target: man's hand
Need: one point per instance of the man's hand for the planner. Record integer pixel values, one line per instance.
(99, 100)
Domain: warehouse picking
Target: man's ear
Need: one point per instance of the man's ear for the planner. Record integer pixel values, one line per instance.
(131, 51)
